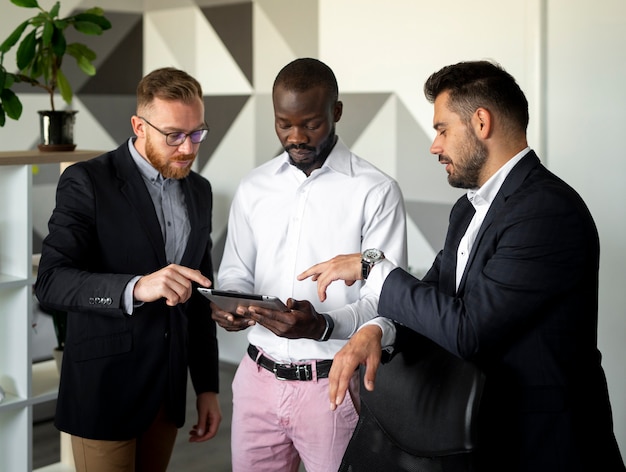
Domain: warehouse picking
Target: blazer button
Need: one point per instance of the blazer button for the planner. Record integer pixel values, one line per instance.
(167, 334)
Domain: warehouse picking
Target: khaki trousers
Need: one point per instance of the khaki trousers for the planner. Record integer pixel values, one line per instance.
(149, 452)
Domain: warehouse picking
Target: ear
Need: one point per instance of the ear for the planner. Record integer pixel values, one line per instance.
(481, 121)
(337, 111)
(139, 127)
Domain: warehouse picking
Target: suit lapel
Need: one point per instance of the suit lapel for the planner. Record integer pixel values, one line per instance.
(460, 218)
(512, 182)
(134, 189)
(198, 220)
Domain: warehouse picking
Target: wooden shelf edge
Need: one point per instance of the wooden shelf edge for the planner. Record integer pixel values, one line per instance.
(38, 157)
(58, 467)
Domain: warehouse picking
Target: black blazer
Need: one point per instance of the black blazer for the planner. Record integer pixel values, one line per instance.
(118, 369)
(526, 312)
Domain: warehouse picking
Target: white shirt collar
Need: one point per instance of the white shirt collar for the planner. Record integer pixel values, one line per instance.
(485, 194)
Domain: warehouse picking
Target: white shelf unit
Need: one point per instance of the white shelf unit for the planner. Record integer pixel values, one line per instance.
(25, 384)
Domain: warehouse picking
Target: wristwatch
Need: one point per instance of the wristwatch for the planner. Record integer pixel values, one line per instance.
(369, 258)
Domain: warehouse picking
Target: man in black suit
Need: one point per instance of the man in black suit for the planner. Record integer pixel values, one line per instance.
(515, 288)
(129, 241)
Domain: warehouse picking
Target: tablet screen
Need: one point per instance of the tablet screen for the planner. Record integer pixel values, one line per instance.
(229, 301)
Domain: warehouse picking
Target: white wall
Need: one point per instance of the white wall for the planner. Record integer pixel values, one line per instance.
(586, 102)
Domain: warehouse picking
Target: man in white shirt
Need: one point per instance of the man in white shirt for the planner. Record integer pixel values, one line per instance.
(312, 201)
(514, 290)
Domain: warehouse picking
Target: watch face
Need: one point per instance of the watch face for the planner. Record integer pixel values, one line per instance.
(372, 255)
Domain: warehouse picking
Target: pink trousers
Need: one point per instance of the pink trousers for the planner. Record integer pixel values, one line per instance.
(277, 423)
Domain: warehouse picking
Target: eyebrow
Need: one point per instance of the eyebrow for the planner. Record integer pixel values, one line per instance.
(439, 124)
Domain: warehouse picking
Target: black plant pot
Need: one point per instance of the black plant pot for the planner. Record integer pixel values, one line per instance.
(56, 130)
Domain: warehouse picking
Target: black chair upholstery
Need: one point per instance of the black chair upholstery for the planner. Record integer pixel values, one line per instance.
(420, 417)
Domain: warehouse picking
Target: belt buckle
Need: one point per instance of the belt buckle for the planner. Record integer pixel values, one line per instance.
(302, 372)
(275, 370)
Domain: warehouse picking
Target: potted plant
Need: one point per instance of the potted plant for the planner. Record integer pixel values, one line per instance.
(39, 60)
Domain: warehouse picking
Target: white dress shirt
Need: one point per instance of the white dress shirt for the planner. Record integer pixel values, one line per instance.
(282, 222)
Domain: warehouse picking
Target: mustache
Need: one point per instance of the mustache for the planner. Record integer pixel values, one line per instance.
(183, 158)
(299, 146)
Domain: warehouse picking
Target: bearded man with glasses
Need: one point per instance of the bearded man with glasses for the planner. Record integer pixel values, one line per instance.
(129, 241)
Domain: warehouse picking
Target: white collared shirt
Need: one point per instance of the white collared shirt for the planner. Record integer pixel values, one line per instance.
(283, 222)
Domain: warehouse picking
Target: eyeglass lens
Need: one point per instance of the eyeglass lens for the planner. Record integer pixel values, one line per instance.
(175, 139)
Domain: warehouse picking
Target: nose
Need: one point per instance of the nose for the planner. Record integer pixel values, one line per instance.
(186, 147)
(296, 135)
(435, 147)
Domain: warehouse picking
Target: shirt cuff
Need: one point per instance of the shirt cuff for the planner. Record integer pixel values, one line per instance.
(388, 329)
(128, 302)
(378, 274)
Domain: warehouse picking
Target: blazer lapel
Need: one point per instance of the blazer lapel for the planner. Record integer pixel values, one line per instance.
(197, 221)
(512, 182)
(134, 189)
(460, 218)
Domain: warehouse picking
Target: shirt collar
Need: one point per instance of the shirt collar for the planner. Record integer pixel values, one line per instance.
(145, 168)
(338, 161)
(485, 194)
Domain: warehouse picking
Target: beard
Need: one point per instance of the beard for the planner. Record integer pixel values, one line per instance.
(164, 164)
(469, 163)
(319, 156)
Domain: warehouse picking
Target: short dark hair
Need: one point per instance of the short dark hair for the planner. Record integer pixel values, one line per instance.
(306, 73)
(480, 84)
(167, 83)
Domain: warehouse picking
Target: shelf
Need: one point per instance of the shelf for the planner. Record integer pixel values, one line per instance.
(38, 157)
(26, 384)
(10, 281)
(12, 402)
(58, 467)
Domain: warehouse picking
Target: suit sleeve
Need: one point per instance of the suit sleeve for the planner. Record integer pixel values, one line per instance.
(67, 280)
(535, 254)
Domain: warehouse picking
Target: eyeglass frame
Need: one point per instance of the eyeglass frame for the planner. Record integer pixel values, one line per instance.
(205, 132)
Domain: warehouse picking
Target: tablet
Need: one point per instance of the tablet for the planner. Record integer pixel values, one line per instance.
(229, 301)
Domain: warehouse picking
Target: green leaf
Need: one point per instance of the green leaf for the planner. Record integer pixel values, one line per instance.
(95, 11)
(13, 37)
(86, 66)
(87, 27)
(61, 24)
(58, 44)
(26, 3)
(3, 76)
(99, 20)
(12, 105)
(54, 11)
(64, 87)
(39, 20)
(2, 116)
(26, 50)
(77, 50)
(46, 36)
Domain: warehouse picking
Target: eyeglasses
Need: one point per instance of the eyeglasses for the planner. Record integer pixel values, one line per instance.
(177, 138)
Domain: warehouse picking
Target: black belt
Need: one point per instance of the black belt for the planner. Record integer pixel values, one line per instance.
(290, 371)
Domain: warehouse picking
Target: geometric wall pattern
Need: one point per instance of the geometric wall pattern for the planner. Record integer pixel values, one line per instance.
(235, 50)
(381, 53)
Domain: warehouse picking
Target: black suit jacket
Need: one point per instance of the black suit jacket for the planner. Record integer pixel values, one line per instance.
(119, 369)
(526, 312)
